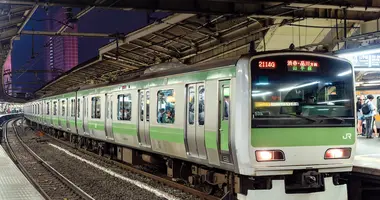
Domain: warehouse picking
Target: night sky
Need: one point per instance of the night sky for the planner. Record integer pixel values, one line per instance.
(96, 21)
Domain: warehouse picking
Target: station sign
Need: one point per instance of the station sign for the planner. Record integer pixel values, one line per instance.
(371, 60)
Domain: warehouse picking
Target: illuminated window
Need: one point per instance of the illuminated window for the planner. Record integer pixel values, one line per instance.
(96, 107)
(166, 106)
(124, 107)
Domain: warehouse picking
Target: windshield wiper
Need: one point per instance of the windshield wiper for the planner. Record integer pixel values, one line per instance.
(300, 116)
(330, 117)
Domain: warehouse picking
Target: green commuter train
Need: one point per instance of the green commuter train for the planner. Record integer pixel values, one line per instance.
(280, 124)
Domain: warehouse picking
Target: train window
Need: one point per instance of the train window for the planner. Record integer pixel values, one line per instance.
(63, 103)
(38, 109)
(378, 104)
(55, 107)
(226, 104)
(95, 108)
(201, 105)
(166, 106)
(191, 105)
(78, 110)
(47, 108)
(124, 107)
(142, 106)
(147, 106)
(72, 108)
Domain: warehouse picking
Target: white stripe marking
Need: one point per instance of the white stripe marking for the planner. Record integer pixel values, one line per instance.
(112, 173)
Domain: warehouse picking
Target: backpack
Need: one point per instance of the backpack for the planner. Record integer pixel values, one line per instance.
(365, 109)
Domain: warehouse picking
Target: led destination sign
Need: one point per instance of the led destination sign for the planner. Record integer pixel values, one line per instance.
(302, 66)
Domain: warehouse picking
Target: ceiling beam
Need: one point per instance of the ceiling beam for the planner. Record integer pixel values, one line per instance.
(29, 15)
(73, 34)
(157, 26)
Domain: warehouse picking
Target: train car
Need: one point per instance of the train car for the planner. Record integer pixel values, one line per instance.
(280, 124)
(376, 102)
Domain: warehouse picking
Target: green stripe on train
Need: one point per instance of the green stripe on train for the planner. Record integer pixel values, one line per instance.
(126, 129)
(175, 135)
(288, 137)
(99, 126)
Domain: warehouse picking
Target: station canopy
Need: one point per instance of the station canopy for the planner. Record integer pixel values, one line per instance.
(13, 18)
(205, 30)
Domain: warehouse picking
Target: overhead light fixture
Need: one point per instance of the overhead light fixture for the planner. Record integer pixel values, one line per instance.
(261, 94)
(256, 91)
(299, 86)
(373, 82)
(345, 73)
(366, 69)
(359, 53)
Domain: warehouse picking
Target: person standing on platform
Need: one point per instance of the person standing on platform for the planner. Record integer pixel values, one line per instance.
(359, 105)
(368, 112)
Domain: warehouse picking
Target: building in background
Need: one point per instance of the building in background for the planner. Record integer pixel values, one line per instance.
(61, 53)
(8, 75)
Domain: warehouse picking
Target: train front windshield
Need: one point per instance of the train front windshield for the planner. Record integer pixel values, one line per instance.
(299, 91)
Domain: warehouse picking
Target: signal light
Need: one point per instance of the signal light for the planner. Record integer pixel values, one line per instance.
(338, 153)
(269, 155)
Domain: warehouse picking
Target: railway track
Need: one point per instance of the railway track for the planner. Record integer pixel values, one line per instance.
(51, 184)
(157, 178)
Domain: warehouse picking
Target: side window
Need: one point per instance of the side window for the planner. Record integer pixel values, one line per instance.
(124, 107)
(48, 108)
(378, 103)
(166, 106)
(191, 105)
(226, 102)
(55, 108)
(147, 106)
(63, 105)
(38, 109)
(72, 108)
(201, 105)
(78, 108)
(95, 107)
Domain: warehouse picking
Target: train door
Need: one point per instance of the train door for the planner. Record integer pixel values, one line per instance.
(195, 130)
(143, 120)
(224, 120)
(85, 116)
(108, 121)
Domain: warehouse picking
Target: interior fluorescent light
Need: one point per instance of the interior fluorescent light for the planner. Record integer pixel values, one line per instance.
(256, 91)
(345, 73)
(262, 84)
(342, 100)
(261, 94)
(299, 86)
(358, 53)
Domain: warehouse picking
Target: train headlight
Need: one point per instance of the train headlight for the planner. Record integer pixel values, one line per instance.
(269, 155)
(338, 153)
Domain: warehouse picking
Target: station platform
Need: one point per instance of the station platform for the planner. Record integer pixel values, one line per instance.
(13, 184)
(367, 159)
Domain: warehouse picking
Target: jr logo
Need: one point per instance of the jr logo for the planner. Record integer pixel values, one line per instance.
(347, 136)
